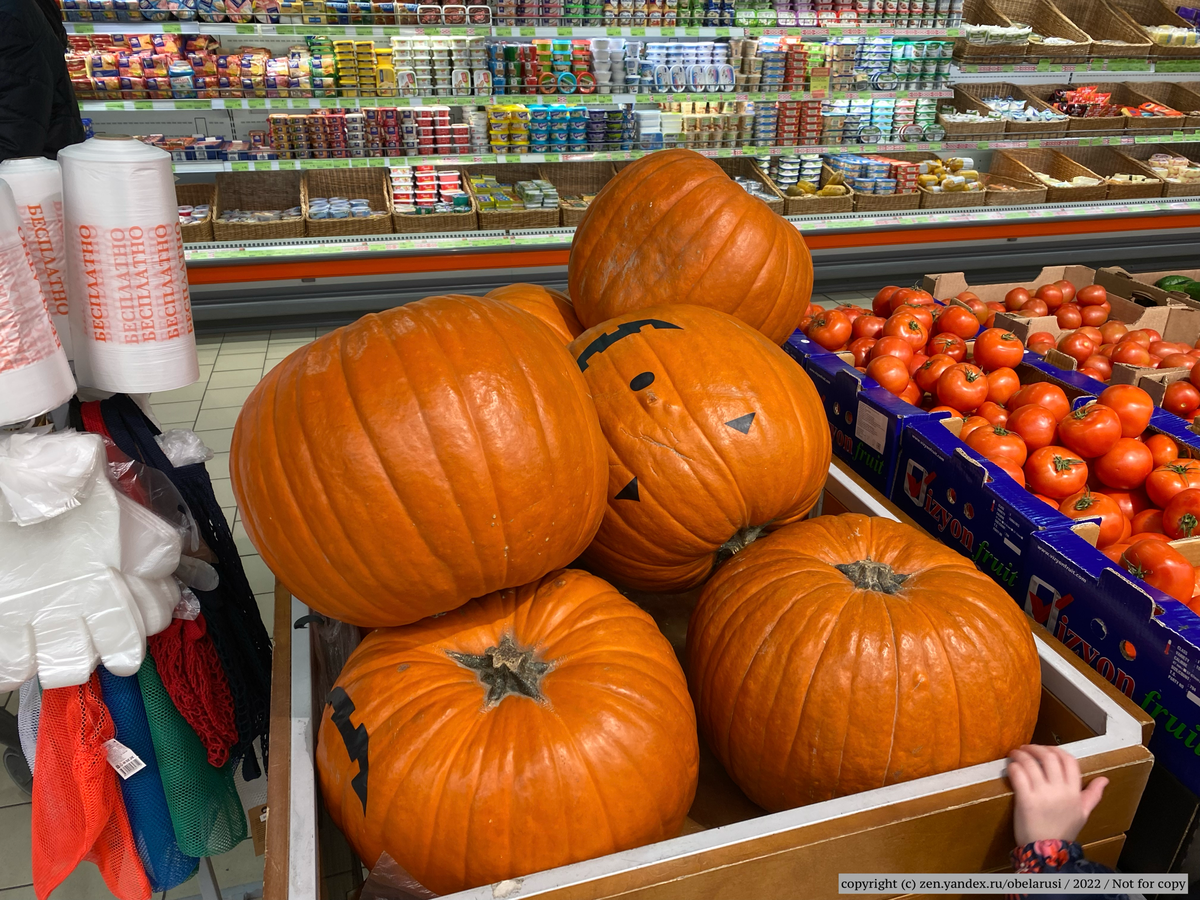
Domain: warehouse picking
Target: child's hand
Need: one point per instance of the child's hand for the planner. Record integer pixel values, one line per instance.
(1050, 802)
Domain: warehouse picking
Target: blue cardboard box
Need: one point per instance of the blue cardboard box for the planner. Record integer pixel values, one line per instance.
(1144, 642)
(800, 348)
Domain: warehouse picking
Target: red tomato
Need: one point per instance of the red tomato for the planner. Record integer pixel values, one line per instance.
(1097, 374)
(1126, 465)
(1078, 346)
(962, 386)
(1163, 449)
(1068, 289)
(920, 313)
(1181, 398)
(995, 441)
(1132, 405)
(1131, 502)
(1086, 505)
(1113, 331)
(954, 413)
(1095, 315)
(861, 348)
(1100, 364)
(1181, 517)
(1131, 353)
(1114, 551)
(1035, 424)
(850, 311)
(1040, 338)
(1093, 334)
(1091, 295)
(959, 321)
(970, 424)
(1015, 472)
(1016, 298)
(1044, 394)
(1148, 520)
(909, 295)
(931, 370)
(996, 348)
(831, 329)
(1178, 361)
(867, 326)
(907, 327)
(1035, 306)
(893, 346)
(1161, 566)
(1002, 384)
(1144, 336)
(949, 344)
(1069, 316)
(1055, 471)
(1166, 481)
(880, 304)
(1090, 431)
(993, 412)
(1194, 377)
(977, 307)
(916, 362)
(1051, 295)
(890, 372)
(911, 393)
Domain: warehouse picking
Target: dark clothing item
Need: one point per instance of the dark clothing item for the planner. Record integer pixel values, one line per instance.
(38, 111)
(1061, 857)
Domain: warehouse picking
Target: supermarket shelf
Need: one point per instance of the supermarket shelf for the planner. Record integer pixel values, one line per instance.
(268, 30)
(570, 99)
(187, 167)
(1018, 74)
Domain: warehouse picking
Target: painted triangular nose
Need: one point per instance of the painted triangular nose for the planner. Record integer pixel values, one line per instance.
(629, 492)
(742, 423)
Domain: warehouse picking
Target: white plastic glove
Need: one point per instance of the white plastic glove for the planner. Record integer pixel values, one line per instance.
(84, 586)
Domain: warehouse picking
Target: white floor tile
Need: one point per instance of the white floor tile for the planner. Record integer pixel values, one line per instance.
(177, 414)
(223, 490)
(218, 466)
(266, 608)
(224, 398)
(191, 392)
(240, 361)
(237, 867)
(236, 378)
(15, 843)
(242, 539)
(213, 419)
(293, 334)
(216, 439)
(262, 579)
(208, 339)
(245, 337)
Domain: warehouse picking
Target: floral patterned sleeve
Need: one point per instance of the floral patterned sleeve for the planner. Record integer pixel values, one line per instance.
(1056, 856)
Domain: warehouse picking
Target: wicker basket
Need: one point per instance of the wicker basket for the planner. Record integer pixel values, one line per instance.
(257, 191)
(982, 12)
(1107, 162)
(1026, 130)
(893, 202)
(992, 130)
(1177, 96)
(748, 168)
(1047, 20)
(817, 206)
(436, 223)
(1140, 153)
(1114, 35)
(585, 178)
(1026, 193)
(353, 184)
(196, 195)
(1156, 12)
(1093, 125)
(509, 219)
(1021, 165)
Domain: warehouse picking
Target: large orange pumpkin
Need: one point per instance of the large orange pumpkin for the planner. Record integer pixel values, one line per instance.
(714, 434)
(551, 306)
(674, 228)
(400, 466)
(846, 653)
(528, 729)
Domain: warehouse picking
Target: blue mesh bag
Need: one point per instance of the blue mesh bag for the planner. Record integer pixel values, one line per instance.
(165, 864)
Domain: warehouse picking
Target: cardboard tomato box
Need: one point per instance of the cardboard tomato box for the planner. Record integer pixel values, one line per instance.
(800, 348)
(951, 284)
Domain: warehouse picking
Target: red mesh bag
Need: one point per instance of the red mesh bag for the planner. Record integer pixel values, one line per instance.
(192, 674)
(78, 812)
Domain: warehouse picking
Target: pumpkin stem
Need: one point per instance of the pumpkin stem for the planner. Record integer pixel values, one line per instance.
(740, 541)
(869, 575)
(505, 669)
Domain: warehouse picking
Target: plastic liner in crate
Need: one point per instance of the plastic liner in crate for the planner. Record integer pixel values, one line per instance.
(741, 167)
(259, 191)
(576, 179)
(370, 184)
(1048, 20)
(1149, 13)
(1002, 90)
(197, 195)
(517, 217)
(1142, 153)
(1109, 164)
(1023, 164)
(1113, 34)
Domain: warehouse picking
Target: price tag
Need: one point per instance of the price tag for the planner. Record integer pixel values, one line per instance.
(172, 28)
(244, 29)
(84, 29)
(614, 32)
(669, 31)
(936, 147)
(193, 104)
(115, 104)
(982, 145)
(256, 104)
(143, 104)
(330, 101)
(723, 32)
(121, 758)
(873, 32)
(638, 32)
(1033, 145)
(692, 31)
(725, 152)
(458, 32)
(553, 157)
(527, 31)
(239, 167)
(565, 31)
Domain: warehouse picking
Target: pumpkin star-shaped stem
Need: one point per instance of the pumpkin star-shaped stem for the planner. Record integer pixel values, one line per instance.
(505, 669)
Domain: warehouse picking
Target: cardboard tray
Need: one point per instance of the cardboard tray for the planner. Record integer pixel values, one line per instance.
(729, 846)
(951, 284)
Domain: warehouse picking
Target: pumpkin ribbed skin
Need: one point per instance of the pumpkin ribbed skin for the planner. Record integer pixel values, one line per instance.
(551, 306)
(463, 793)
(674, 228)
(808, 688)
(399, 466)
(720, 428)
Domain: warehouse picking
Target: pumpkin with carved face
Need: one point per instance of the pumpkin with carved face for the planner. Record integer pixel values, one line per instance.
(714, 434)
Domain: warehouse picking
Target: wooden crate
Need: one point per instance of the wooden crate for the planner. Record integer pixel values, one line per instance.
(960, 821)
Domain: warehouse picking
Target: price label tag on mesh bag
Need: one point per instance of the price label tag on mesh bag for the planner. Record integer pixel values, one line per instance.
(121, 758)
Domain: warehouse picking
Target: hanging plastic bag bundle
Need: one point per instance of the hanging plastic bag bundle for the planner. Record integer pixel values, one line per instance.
(130, 312)
(36, 184)
(34, 374)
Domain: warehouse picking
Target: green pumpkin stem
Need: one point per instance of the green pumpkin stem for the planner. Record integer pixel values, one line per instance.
(740, 541)
(869, 575)
(505, 669)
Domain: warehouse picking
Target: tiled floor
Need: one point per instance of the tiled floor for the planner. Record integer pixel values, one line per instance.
(230, 366)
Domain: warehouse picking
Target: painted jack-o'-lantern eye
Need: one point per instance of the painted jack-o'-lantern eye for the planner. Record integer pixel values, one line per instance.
(644, 380)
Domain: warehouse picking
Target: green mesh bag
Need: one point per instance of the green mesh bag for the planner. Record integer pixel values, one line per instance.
(202, 799)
